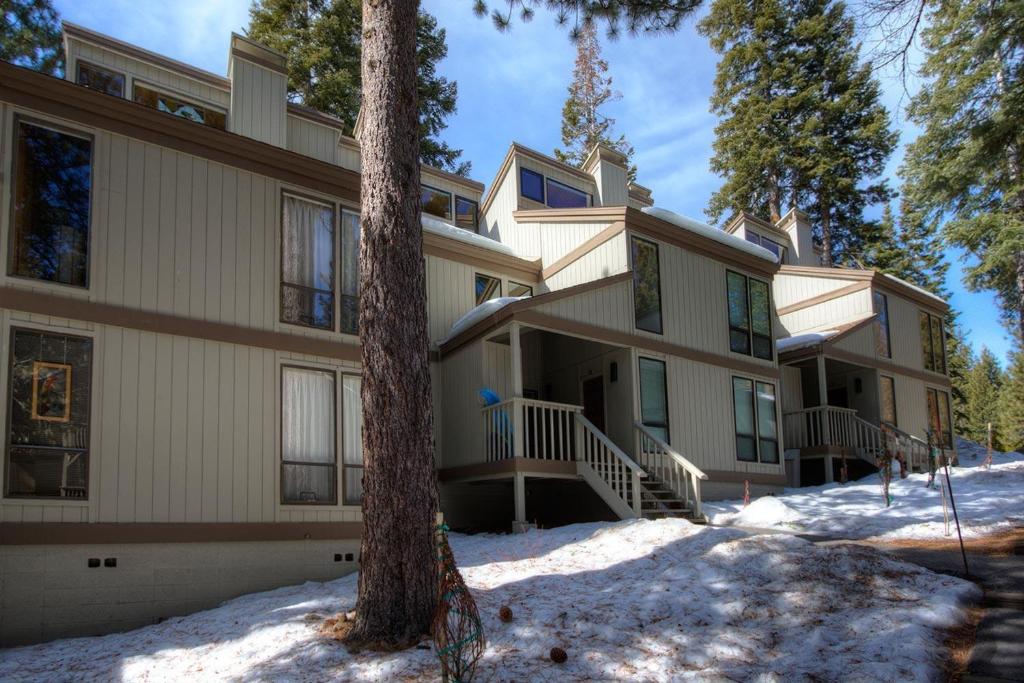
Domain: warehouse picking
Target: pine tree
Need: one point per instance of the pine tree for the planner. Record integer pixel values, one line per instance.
(982, 391)
(881, 248)
(322, 40)
(959, 359)
(1011, 403)
(583, 124)
(30, 35)
(966, 166)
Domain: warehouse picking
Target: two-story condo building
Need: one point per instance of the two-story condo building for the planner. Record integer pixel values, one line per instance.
(181, 378)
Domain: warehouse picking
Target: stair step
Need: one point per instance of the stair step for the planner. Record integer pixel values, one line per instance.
(663, 505)
(662, 514)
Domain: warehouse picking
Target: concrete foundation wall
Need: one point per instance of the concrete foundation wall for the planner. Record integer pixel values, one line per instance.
(49, 592)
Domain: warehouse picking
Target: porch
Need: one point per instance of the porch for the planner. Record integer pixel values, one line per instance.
(556, 406)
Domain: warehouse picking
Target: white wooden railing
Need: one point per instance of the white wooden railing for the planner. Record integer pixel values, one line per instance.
(613, 474)
(664, 462)
(915, 450)
(831, 426)
(527, 428)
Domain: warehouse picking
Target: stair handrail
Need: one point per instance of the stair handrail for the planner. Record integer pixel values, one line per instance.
(610, 445)
(615, 476)
(671, 452)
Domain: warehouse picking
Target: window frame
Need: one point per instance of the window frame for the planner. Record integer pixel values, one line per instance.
(640, 394)
(345, 467)
(522, 193)
(476, 212)
(335, 260)
(587, 196)
(451, 199)
(877, 296)
(749, 332)
(755, 421)
(5, 493)
(17, 120)
(185, 98)
(632, 265)
(895, 412)
(942, 397)
(281, 462)
(513, 283)
(933, 357)
(98, 67)
(494, 278)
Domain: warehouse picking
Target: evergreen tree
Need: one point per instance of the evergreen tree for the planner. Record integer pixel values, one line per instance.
(322, 40)
(959, 359)
(881, 248)
(1011, 403)
(982, 392)
(966, 166)
(30, 35)
(583, 124)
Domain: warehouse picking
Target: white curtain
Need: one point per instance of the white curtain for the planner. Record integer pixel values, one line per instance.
(352, 438)
(349, 253)
(307, 416)
(308, 244)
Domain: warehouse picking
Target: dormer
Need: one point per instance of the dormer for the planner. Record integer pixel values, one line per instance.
(259, 91)
(608, 168)
(762, 233)
(796, 225)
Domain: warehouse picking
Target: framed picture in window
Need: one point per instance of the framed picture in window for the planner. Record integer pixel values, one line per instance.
(51, 391)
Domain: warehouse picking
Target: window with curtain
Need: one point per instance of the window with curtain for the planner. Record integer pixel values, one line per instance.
(487, 288)
(180, 107)
(939, 421)
(646, 285)
(51, 205)
(349, 312)
(881, 306)
(750, 316)
(466, 212)
(757, 438)
(49, 389)
(308, 459)
(887, 397)
(933, 343)
(352, 439)
(654, 397)
(436, 202)
(100, 79)
(307, 263)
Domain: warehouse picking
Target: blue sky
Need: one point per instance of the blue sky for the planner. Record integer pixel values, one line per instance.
(512, 86)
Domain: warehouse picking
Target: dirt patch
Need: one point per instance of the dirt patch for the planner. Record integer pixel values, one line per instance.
(959, 642)
(1003, 543)
(337, 627)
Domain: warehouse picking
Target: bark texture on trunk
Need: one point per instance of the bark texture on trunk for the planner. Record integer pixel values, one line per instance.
(826, 233)
(398, 576)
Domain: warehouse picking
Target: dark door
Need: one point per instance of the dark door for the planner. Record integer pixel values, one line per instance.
(593, 401)
(837, 397)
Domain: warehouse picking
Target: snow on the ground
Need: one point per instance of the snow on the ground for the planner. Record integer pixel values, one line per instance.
(638, 600)
(987, 501)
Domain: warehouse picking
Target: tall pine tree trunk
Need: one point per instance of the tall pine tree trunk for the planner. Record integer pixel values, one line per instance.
(397, 577)
(826, 231)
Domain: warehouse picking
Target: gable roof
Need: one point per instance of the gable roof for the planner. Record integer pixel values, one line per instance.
(873, 277)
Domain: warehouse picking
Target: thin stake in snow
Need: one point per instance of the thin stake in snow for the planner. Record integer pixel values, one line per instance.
(988, 458)
(746, 492)
(963, 553)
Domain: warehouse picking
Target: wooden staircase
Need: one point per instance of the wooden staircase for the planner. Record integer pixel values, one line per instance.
(658, 501)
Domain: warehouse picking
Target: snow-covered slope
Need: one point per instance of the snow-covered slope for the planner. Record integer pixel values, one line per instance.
(987, 501)
(650, 601)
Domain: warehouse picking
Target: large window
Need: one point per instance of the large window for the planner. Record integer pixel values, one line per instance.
(887, 398)
(52, 199)
(933, 344)
(750, 316)
(882, 339)
(50, 382)
(757, 438)
(466, 213)
(531, 185)
(352, 439)
(436, 202)
(487, 288)
(101, 79)
(654, 398)
(308, 460)
(561, 196)
(177, 106)
(939, 422)
(309, 261)
(646, 285)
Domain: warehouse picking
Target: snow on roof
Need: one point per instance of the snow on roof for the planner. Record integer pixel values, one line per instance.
(799, 341)
(439, 227)
(914, 287)
(475, 315)
(711, 233)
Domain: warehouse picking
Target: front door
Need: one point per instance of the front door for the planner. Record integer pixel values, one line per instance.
(593, 401)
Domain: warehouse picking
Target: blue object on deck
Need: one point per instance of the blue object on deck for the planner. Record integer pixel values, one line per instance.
(489, 397)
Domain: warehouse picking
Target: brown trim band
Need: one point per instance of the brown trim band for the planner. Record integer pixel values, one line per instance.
(876, 279)
(452, 177)
(889, 367)
(259, 61)
(592, 214)
(462, 252)
(63, 99)
(734, 477)
(508, 467)
(47, 304)
(86, 533)
(579, 252)
(644, 343)
(88, 36)
(822, 298)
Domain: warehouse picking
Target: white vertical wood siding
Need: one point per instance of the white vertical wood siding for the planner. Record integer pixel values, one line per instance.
(135, 69)
(462, 376)
(313, 139)
(828, 313)
(611, 258)
(789, 289)
(258, 97)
